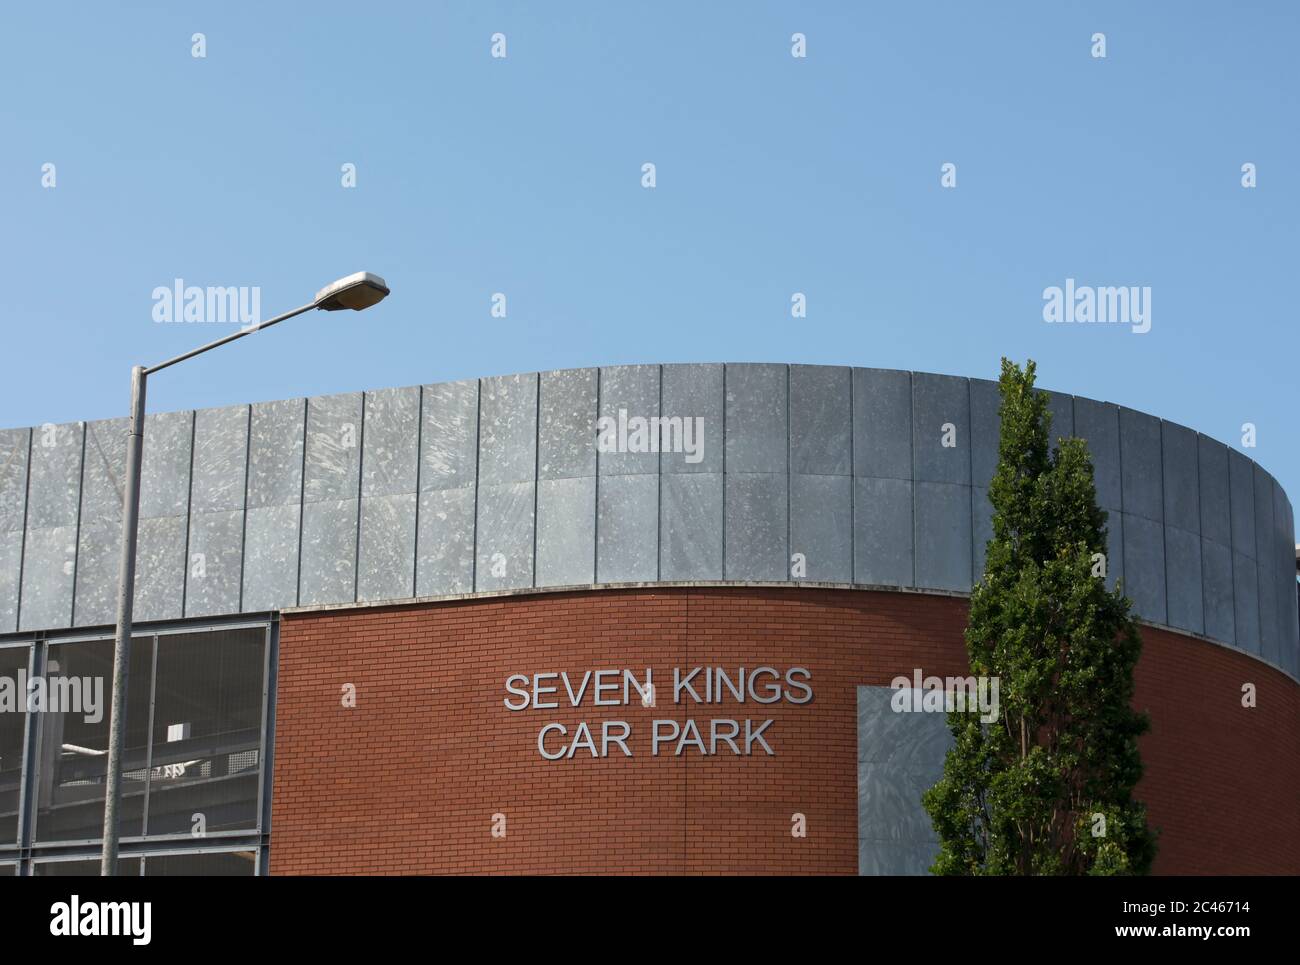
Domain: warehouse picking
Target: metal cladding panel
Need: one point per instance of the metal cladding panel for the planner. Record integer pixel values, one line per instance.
(215, 554)
(1061, 406)
(390, 462)
(449, 435)
(273, 517)
(756, 526)
(1215, 509)
(982, 511)
(504, 557)
(1144, 567)
(507, 441)
(985, 430)
(696, 392)
(332, 468)
(1184, 586)
(327, 566)
(271, 538)
(49, 557)
(821, 526)
(941, 435)
(821, 421)
(100, 534)
(14, 448)
(1290, 613)
(1115, 550)
(690, 526)
(627, 528)
(1181, 470)
(882, 424)
(943, 536)
(15, 445)
(445, 555)
(54, 489)
(566, 529)
(1217, 591)
(882, 532)
(1097, 423)
(1245, 602)
(1241, 480)
(756, 410)
(49, 562)
(1270, 645)
(566, 424)
(629, 392)
(386, 553)
(331, 502)
(1140, 462)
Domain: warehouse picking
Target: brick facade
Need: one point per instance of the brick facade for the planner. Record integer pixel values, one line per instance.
(409, 780)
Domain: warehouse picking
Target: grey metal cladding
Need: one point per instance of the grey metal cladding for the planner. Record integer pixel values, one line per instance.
(333, 460)
(1097, 423)
(49, 562)
(984, 429)
(982, 528)
(756, 419)
(1144, 567)
(1215, 509)
(327, 567)
(629, 392)
(695, 391)
(449, 435)
(566, 530)
(1218, 591)
(1181, 471)
(504, 558)
(821, 431)
(220, 459)
(1265, 534)
(1114, 548)
(882, 423)
(1140, 461)
(1241, 479)
(507, 444)
(271, 537)
(566, 425)
(55, 476)
(821, 526)
(941, 454)
(1184, 587)
(882, 531)
(756, 526)
(390, 456)
(627, 528)
(1061, 406)
(386, 554)
(275, 448)
(216, 558)
(445, 542)
(690, 526)
(1245, 602)
(943, 536)
(14, 449)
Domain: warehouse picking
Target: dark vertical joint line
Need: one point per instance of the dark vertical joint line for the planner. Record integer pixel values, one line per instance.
(302, 496)
(419, 465)
(537, 465)
(595, 525)
(76, 542)
(659, 510)
(243, 532)
(361, 481)
(853, 488)
(22, 549)
(478, 441)
(189, 505)
(724, 471)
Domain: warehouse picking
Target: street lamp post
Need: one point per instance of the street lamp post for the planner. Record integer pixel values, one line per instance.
(357, 292)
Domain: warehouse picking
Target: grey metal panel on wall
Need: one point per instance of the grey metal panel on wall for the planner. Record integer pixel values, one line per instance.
(627, 528)
(1061, 406)
(273, 514)
(1097, 423)
(15, 445)
(566, 531)
(821, 428)
(756, 526)
(1215, 509)
(984, 431)
(938, 454)
(390, 460)
(1217, 591)
(756, 418)
(161, 558)
(943, 536)
(507, 488)
(981, 528)
(566, 426)
(882, 531)
(1183, 580)
(1181, 472)
(99, 537)
(1269, 643)
(882, 423)
(1241, 480)
(1140, 464)
(1144, 567)
(821, 526)
(50, 544)
(447, 502)
(1245, 602)
(695, 391)
(1287, 589)
(331, 499)
(690, 526)
(629, 392)
(216, 524)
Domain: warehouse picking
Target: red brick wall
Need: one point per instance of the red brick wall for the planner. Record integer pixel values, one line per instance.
(408, 781)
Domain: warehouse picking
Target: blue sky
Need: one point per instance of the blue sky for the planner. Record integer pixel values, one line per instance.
(775, 175)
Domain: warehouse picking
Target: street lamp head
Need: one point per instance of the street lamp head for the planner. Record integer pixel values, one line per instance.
(355, 292)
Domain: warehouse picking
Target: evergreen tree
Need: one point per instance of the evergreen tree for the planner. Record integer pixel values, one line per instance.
(1047, 787)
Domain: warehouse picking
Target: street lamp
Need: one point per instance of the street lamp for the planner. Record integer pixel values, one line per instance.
(357, 292)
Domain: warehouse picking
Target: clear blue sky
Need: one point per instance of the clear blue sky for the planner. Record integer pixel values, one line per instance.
(775, 175)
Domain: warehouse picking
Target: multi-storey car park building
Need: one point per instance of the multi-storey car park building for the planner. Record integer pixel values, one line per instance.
(441, 629)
